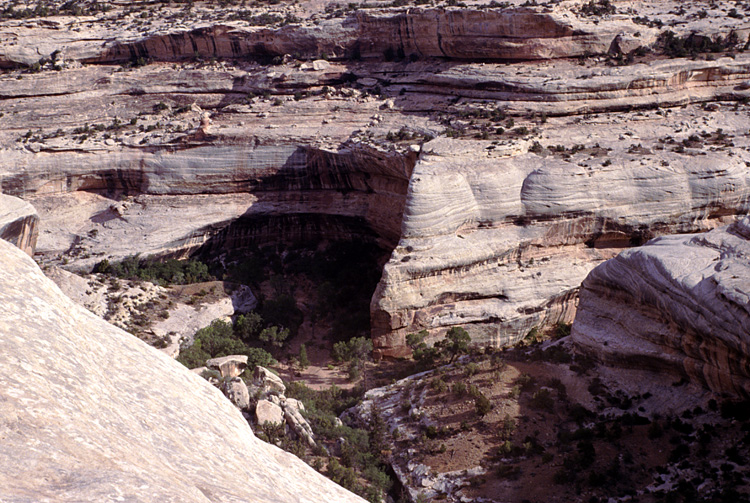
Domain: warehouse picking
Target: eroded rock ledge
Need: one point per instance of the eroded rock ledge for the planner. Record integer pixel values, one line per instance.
(500, 185)
(679, 303)
(90, 413)
(18, 223)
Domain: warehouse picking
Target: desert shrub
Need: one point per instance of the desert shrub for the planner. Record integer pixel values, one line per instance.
(598, 8)
(171, 271)
(356, 348)
(542, 400)
(471, 369)
(694, 43)
(420, 350)
(459, 389)
(509, 472)
(482, 405)
(304, 362)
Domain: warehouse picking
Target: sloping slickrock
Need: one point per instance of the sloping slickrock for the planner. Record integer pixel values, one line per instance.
(18, 223)
(90, 413)
(679, 303)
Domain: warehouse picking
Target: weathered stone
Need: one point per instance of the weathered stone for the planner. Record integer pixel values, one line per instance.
(293, 402)
(299, 425)
(229, 366)
(236, 390)
(268, 382)
(90, 413)
(466, 215)
(268, 412)
(18, 223)
(678, 304)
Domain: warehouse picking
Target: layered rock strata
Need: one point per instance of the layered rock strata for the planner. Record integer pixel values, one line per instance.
(679, 303)
(542, 167)
(89, 413)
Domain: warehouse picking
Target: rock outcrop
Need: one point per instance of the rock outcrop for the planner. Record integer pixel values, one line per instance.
(679, 304)
(493, 187)
(89, 413)
(228, 366)
(268, 412)
(18, 223)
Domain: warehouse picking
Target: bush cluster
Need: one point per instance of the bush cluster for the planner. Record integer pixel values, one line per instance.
(170, 271)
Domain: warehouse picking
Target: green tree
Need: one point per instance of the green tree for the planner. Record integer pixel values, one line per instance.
(248, 326)
(303, 361)
(274, 335)
(356, 348)
(212, 341)
(258, 357)
(419, 348)
(456, 343)
(482, 404)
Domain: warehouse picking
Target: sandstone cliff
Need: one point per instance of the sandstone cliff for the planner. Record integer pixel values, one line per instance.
(495, 187)
(90, 413)
(679, 303)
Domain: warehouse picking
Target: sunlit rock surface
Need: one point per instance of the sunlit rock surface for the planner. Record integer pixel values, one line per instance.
(679, 303)
(90, 413)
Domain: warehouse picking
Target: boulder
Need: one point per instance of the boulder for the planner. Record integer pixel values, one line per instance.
(236, 390)
(229, 366)
(299, 425)
(268, 412)
(267, 382)
(294, 403)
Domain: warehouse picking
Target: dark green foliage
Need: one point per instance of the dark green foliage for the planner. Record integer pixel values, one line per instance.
(362, 452)
(248, 326)
(562, 329)
(355, 352)
(543, 400)
(482, 405)
(421, 352)
(692, 44)
(170, 271)
(456, 343)
(356, 348)
(303, 361)
(274, 335)
(598, 8)
(222, 339)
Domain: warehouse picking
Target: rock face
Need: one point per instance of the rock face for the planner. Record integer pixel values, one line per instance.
(18, 223)
(494, 188)
(679, 303)
(89, 413)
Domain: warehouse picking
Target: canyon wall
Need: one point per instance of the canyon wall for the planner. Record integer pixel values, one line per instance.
(461, 34)
(679, 304)
(498, 186)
